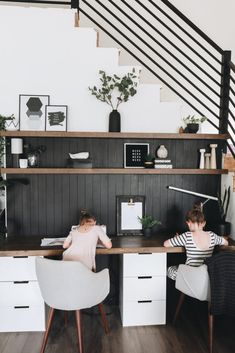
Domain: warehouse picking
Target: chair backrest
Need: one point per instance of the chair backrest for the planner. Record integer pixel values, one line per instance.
(70, 285)
(193, 281)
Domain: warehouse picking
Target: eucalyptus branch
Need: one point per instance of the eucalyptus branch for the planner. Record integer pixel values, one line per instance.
(125, 86)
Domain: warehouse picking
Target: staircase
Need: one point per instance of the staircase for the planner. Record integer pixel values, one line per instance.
(175, 51)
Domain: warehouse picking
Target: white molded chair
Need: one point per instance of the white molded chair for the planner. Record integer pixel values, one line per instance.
(69, 285)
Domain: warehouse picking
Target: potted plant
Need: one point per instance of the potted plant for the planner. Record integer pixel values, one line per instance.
(32, 153)
(192, 123)
(147, 224)
(148, 163)
(223, 227)
(3, 120)
(115, 90)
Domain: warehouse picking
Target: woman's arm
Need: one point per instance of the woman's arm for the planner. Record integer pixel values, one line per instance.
(178, 240)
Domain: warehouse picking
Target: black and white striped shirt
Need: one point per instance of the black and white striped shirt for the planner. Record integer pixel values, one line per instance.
(195, 255)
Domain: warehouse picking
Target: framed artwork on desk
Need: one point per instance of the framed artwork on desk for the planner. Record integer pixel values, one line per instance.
(129, 208)
(134, 154)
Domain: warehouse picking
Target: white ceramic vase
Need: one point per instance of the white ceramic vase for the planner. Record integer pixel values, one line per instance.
(162, 152)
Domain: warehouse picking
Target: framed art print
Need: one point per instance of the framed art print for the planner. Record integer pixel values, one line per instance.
(32, 109)
(134, 154)
(56, 117)
(129, 208)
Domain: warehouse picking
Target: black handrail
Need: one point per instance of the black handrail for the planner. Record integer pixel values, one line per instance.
(193, 26)
(73, 3)
(184, 31)
(178, 37)
(167, 50)
(144, 64)
(146, 55)
(155, 52)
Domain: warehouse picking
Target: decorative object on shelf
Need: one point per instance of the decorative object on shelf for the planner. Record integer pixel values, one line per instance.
(115, 90)
(148, 163)
(147, 224)
(135, 154)
(207, 161)
(213, 156)
(33, 153)
(202, 158)
(161, 152)
(3, 122)
(56, 117)
(223, 227)
(129, 208)
(192, 123)
(23, 163)
(79, 160)
(114, 121)
(32, 109)
(16, 150)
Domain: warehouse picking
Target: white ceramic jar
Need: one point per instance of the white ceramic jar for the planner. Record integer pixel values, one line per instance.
(162, 152)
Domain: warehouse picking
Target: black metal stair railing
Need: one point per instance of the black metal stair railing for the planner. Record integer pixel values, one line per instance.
(204, 83)
(179, 54)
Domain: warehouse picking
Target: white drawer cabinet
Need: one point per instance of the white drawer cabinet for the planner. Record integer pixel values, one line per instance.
(143, 289)
(21, 305)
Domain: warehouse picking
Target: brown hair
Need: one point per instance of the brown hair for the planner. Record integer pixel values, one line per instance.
(85, 218)
(195, 216)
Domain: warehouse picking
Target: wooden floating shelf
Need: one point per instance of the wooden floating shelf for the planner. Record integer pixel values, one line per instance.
(94, 171)
(118, 135)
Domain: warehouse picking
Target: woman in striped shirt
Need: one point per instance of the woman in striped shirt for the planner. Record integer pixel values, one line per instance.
(198, 243)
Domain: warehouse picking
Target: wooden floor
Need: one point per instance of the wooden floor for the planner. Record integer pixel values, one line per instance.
(189, 335)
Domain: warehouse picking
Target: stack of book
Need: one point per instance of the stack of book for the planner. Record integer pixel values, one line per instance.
(162, 163)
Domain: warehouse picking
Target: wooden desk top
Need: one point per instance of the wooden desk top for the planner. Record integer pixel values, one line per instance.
(30, 246)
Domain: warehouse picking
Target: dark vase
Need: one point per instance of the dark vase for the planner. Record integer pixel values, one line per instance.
(114, 121)
(192, 128)
(147, 232)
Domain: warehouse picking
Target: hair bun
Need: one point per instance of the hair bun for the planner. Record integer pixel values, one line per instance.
(197, 206)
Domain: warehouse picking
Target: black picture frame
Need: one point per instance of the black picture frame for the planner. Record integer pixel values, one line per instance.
(128, 208)
(32, 111)
(56, 117)
(134, 154)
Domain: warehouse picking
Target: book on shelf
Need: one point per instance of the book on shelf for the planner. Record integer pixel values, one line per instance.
(162, 166)
(162, 161)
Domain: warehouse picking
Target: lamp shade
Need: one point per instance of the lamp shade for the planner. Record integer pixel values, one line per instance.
(16, 146)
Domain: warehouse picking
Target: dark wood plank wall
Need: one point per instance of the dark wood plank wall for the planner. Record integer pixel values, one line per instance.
(50, 204)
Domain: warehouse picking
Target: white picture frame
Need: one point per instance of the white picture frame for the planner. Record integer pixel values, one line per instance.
(56, 117)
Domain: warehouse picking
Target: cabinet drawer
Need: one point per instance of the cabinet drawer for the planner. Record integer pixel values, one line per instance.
(20, 293)
(144, 264)
(145, 313)
(144, 288)
(22, 319)
(17, 268)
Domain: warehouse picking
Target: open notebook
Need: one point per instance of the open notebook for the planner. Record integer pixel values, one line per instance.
(58, 241)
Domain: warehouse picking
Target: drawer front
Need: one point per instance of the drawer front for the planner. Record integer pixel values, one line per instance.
(17, 268)
(20, 293)
(22, 319)
(144, 264)
(145, 313)
(144, 288)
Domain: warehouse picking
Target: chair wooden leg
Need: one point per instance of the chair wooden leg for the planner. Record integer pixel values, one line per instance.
(46, 334)
(79, 330)
(180, 302)
(210, 328)
(104, 318)
(66, 318)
